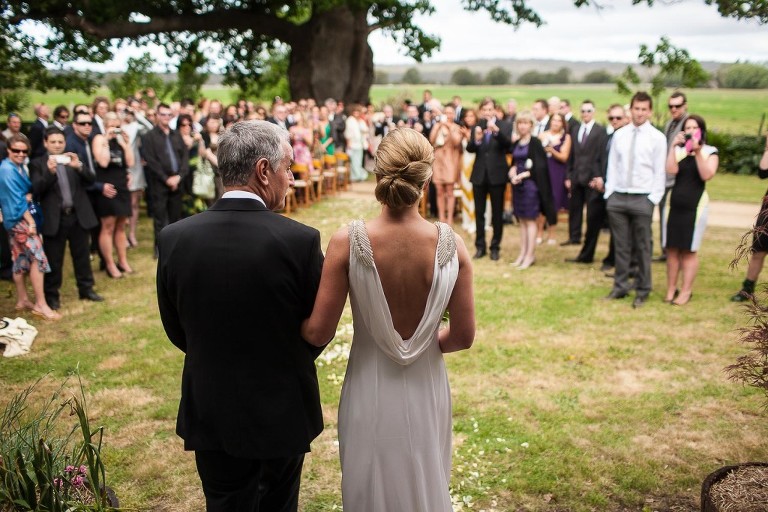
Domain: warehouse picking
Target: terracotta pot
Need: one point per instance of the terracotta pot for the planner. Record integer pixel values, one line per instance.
(707, 505)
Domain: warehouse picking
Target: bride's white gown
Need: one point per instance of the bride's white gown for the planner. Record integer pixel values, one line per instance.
(395, 411)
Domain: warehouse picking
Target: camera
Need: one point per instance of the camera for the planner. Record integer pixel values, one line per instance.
(688, 136)
(62, 159)
(117, 131)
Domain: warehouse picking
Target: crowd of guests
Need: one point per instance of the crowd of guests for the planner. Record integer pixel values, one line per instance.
(87, 169)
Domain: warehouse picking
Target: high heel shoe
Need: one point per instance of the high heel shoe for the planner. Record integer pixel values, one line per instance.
(674, 296)
(675, 303)
(111, 275)
(124, 270)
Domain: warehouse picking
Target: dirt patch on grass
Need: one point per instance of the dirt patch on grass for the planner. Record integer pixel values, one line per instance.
(112, 402)
(138, 433)
(113, 363)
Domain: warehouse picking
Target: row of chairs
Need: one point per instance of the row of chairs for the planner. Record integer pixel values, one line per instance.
(329, 176)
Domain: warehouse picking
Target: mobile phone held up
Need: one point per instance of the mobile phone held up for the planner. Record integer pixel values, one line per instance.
(689, 138)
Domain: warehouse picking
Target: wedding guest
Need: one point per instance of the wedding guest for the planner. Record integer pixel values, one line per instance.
(446, 138)
(759, 238)
(26, 245)
(468, 162)
(531, 188)
(356, 135)
(60, 181)
(557, 145)
(490, 140)
(113, 156)
(396, 368)
(693, 162)
(137, 182)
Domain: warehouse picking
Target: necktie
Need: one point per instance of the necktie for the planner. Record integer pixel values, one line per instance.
(66, 191)
(89, 157)
(171, 155)
(583, 137)
(631, 160)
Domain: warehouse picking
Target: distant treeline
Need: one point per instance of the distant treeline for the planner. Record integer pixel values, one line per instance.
(733, 76)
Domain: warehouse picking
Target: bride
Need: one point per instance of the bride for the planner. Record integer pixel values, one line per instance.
(402, 273)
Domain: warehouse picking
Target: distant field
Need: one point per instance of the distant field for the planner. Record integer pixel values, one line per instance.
(736, 111)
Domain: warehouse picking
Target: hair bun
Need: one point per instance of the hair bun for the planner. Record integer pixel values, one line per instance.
(403, 166)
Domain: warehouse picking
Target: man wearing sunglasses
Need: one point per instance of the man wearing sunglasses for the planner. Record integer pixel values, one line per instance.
(678, 111)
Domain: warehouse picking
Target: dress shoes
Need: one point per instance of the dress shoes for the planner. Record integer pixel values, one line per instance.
(639, 301)
(577, 260)
(606, 267)
(480, 253)
(615, 294)
(569, 242)
(53, 303)
(92, 296)
(660, 259)
(495, 254)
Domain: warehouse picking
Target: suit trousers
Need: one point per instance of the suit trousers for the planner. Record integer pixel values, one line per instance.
(166, 205)
(578, 198)
(630, 217)
(232, 484)
(663, 220)
(481, 193)
(6, 263)
(54, 246)
(596, 217)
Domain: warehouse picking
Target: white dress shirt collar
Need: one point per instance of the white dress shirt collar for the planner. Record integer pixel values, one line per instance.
(242, 194)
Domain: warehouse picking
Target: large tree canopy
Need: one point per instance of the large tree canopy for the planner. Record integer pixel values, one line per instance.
(330, 55)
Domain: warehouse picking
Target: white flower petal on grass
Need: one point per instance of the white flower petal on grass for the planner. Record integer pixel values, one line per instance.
(525, 445)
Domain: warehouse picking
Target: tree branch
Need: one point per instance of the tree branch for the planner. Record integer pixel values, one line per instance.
(230, 19)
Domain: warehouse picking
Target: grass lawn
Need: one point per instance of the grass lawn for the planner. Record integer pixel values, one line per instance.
(565, 402)
(737, 188)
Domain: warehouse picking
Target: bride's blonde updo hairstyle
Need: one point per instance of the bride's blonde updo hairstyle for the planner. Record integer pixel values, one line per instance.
(403, 165)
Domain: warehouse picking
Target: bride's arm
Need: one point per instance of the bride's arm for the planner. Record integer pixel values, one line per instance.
(460, 332)
(320, 327)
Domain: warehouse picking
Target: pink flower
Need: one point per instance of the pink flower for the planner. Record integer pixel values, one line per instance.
(77, 481)
(83, 470)
(57, 483)
(69, 469)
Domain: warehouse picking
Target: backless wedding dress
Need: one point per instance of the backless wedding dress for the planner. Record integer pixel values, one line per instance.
(395, 410)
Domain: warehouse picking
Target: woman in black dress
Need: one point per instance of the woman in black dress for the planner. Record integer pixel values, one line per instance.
(693, 162)
(113, 156)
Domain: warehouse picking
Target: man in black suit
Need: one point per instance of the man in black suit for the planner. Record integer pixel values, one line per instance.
(586, 163)
(540, 111)
(565, 109)
(491, 141)
(280, 116)
(37, 130)
(233, 286)
(167, 165)
(60, 180)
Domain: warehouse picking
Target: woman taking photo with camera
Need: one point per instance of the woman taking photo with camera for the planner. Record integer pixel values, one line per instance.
(693, 162)
(113, 156)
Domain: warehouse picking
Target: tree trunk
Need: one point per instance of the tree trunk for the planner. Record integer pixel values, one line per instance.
(331, 57)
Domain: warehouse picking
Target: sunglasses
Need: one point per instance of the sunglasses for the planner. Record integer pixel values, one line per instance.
(615, 118)
(22, 151)
(673, 106)
(84, 123)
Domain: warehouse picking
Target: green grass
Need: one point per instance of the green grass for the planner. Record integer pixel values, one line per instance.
(727, 110)
(565, 402)
(737, 188)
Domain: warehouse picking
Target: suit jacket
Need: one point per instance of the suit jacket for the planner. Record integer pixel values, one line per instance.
(36, 136)
(587, 160)
(154, 149)
(288, 122)
(233, 286)
(338, 125)
(670, 130)
(491, 157)
(45, 186)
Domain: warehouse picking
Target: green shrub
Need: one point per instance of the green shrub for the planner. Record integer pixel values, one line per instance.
(739, 154)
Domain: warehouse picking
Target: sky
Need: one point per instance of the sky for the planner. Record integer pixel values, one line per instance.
(613, 33)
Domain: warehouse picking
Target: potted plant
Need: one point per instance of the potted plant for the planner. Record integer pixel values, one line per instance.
(50, 461)
(744, 487)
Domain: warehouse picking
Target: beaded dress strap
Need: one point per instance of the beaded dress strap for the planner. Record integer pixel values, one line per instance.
(446, 244)
(359, 242)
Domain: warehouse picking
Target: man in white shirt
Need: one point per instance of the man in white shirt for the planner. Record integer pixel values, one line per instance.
(540, 111)
(634, 184)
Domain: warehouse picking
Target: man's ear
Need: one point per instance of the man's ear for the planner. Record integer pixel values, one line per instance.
(262, 170)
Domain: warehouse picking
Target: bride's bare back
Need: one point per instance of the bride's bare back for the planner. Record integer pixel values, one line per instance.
(404, 253)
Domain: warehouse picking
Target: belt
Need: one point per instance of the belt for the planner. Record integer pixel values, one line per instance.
(68, 211)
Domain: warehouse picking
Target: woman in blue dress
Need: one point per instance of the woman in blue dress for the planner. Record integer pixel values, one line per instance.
(23, 235)
(531, 188)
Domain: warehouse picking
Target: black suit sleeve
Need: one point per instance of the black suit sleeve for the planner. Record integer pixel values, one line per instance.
(314, 270)
(169, 314)
(540, 174)
(504, 135)
(42, 179)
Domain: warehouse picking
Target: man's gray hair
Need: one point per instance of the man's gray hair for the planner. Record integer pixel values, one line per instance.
(245, 143)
